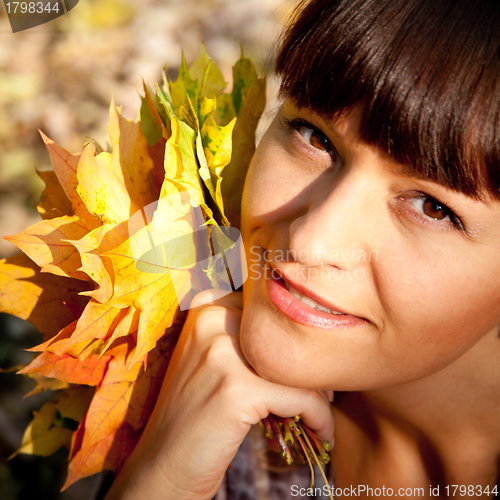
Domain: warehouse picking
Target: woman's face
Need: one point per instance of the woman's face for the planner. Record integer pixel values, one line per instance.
(412, 266)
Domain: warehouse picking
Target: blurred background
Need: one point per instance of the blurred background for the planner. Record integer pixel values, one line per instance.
(58, 78)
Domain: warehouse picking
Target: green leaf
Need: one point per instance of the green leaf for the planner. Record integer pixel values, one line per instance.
(223, 126)
(149, 126)
(248, 102)
(215, 83)
(184, 85)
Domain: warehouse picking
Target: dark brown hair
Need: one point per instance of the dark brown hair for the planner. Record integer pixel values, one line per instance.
(427, 73)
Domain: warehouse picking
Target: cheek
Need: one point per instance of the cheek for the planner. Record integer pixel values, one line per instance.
(275, 185)
(430, 314)
(440, 307)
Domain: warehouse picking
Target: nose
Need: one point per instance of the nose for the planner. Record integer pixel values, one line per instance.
(337, 224)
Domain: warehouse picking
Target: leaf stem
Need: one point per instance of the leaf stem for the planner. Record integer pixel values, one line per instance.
(306, 453)
(315, 456)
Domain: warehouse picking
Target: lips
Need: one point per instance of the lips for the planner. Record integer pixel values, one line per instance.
(306, 308)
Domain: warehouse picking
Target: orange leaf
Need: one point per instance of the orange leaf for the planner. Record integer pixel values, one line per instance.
(65, 166)
(49, 302)
(106, 418)
(45, 243)
(69, 369)
(108, 454)
(120, 410)
(59, 345)
(97, 322)
(149, 382)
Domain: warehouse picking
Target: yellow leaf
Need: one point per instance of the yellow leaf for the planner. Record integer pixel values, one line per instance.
(41, 437)
(98, 321)
(247, 102)
(53, 202)
(49, 302)
(47, 432)
(46, 244)
(181, 167)
(129, 150)
(184, 85)
(152, 293)
(65, 166)
(102, 187)
(91, 248)
(214, 80)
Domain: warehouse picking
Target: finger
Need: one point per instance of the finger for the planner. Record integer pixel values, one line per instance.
(233, 300)
(288, 402)
(328, 395)
(316, 414)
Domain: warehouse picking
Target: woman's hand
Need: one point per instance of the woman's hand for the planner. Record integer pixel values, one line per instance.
(209, 399)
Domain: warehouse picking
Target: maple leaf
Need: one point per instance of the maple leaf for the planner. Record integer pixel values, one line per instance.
(246, 102)
(119, 410)
(68, 369)
(47, 301)
(53, 425)
(127, 238)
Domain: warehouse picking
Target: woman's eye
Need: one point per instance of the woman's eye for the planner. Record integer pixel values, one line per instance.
(311, 135)
(434, 209)
(316, 139)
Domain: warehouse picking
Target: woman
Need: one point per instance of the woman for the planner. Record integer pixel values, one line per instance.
(370, 219)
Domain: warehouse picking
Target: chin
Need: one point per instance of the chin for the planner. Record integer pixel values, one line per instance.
(280, 358)
(273, 357)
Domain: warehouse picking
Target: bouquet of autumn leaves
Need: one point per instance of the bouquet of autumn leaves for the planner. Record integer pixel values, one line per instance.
(109, 325)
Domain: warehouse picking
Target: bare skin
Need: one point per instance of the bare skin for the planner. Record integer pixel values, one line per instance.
(415, 352)
(426, 358)
(209, 400)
